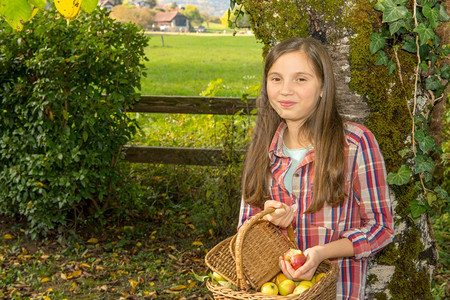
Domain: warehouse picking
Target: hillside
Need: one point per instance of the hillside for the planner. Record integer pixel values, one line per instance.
(214, 8)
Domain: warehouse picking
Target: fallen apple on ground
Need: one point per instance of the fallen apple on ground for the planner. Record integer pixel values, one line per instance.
(295, 257)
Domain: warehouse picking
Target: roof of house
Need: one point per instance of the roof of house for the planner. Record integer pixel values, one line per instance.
(105, 2)
(166, 16)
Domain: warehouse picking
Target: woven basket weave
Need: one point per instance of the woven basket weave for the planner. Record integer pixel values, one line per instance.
(250, 258)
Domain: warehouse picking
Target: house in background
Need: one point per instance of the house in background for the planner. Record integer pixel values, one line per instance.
(172, 21)
(106, 4)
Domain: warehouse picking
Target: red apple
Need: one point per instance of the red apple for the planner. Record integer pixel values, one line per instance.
(295, 257)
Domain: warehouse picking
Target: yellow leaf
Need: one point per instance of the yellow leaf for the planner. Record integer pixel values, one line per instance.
(73, 286)
(68, 8)
(92, 241)
(178, 288)
(197, 243)
(46, 298)
(45, 279)
(76, 273)
(63, 276)
(8, 236)
(133, 283)
(191, 226)
(139, 244)
(85, 266)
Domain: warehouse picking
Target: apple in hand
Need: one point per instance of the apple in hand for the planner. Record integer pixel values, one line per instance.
(295, 257)
(269, 288)
(286, 287)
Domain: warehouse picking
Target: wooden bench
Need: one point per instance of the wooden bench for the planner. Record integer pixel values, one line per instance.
(185, 105)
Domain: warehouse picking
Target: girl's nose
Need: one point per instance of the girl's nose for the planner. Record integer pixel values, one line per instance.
(286, 88)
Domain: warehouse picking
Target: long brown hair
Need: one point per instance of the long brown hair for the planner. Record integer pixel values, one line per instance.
(324, 128)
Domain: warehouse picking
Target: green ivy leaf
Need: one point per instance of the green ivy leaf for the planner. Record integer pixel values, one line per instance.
(431, 197)
(401, 177)
(391, 67)
(382, 59)
(424, 66)
(425, 33)
(377, 42)
(441, 192)
(404, 152)
(16, 12)
(424, 164)
(394, 27)
(426, 143)
(433, 83)
(88, 5)
(410, 45)
(417, 209)
(432, 15)
(393, 12)
(443, 16)
(445, 71)
(379, 5)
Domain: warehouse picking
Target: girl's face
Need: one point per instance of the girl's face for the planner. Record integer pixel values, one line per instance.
(293, 87)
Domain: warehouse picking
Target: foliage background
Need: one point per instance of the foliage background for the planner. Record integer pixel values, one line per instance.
(60, 137)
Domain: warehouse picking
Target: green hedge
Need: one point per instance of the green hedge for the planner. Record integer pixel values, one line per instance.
(60, 137)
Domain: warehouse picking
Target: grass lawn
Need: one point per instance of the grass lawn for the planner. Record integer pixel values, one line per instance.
(186, 64)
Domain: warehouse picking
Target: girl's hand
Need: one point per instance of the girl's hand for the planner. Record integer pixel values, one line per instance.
(283, 214)
(305, 272)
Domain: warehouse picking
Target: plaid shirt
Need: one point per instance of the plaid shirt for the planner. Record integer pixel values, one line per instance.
(365, 216)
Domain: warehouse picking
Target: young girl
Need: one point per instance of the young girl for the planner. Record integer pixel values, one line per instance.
(324, 176)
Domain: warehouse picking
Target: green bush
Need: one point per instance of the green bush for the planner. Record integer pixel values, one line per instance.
(64, 91)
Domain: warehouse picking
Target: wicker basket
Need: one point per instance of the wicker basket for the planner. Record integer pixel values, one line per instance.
(250, 258)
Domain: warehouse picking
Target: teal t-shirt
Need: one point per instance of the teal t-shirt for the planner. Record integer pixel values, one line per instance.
(297, 156)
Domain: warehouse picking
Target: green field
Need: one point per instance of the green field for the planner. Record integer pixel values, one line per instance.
(186, 64)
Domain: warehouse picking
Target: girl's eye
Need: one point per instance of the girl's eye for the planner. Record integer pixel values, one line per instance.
(275, 79)
(301, 79)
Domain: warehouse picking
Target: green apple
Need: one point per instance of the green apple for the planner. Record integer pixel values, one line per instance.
(269, 288)
(286, 287)
(301, 287)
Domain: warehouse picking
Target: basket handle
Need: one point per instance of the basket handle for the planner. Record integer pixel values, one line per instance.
(241, 283)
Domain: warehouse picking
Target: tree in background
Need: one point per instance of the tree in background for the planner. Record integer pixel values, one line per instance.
(193, 14)
(151, 3)
(141, 16)
(236, 18)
